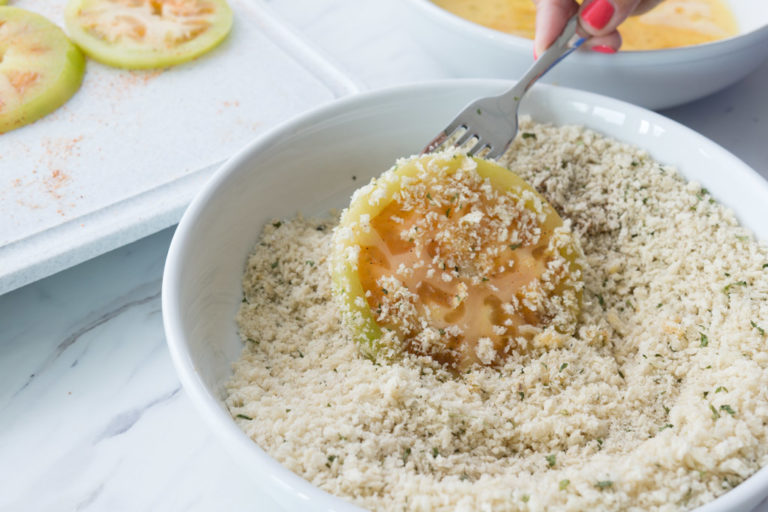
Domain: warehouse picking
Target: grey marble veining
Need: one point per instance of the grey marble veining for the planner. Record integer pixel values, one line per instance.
(92, 416)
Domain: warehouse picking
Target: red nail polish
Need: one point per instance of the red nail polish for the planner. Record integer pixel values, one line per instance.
(534, 54)
(601, 48)
(598, 13)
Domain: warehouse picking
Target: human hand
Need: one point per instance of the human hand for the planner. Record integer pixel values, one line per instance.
(597, 18)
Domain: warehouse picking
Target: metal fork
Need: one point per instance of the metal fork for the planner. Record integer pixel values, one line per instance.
(492, 121)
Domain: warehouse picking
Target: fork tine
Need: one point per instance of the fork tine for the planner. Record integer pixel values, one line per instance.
(455, 125)
(439, 141)
(479, 146)
(464, 138)
(494, 153)
(436, 143)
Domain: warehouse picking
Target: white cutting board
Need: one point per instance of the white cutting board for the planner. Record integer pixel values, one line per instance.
(124, 156)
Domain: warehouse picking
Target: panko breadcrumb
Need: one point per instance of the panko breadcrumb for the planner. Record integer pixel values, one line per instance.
(657, 402)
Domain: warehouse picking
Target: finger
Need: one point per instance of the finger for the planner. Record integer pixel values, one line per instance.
(551, 17)
(609, 43)
(601, 17)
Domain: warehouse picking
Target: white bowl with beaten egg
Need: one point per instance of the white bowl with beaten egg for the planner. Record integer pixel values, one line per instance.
(651, 78)
(312, 164)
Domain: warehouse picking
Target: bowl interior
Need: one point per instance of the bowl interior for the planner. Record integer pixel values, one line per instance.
(313, 164)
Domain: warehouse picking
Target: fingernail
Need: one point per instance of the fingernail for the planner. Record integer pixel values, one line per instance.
(534, 54)
(601, 48)
(598, 13)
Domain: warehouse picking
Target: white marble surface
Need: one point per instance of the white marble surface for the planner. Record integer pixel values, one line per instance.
(92, 416)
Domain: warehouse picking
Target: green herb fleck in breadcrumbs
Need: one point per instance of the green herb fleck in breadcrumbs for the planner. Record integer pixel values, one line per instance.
(728, 287)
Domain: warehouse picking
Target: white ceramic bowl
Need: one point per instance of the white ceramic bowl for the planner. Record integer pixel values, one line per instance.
(652, 79)
(307, 165)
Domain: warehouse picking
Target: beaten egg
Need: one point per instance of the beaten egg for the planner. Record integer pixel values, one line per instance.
(671, 24)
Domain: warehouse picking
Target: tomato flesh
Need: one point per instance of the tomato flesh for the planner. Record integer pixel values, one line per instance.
(40, 69)
(145, 34)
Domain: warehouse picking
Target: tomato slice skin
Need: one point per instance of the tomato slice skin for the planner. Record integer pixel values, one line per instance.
(128, 51)
(41, 68)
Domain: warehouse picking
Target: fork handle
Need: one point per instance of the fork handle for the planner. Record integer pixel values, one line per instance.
(566, 42)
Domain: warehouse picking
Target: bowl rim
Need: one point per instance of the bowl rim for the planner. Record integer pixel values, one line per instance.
(236, 440)
(628, 57)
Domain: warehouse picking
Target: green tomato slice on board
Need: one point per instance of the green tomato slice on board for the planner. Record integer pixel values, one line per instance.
(147, 34)
(40, 69)
(455, 258)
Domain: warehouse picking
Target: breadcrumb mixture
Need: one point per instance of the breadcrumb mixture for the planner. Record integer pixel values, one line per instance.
(659, 401)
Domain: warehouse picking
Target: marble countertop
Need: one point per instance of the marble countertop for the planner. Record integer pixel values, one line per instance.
(92, 415)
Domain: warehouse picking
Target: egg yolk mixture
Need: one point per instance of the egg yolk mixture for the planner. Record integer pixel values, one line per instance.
(461, 259)
(673, 23)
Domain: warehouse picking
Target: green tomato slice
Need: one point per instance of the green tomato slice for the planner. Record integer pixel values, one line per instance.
(147, 34)
(455, 258)
(40, 69)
